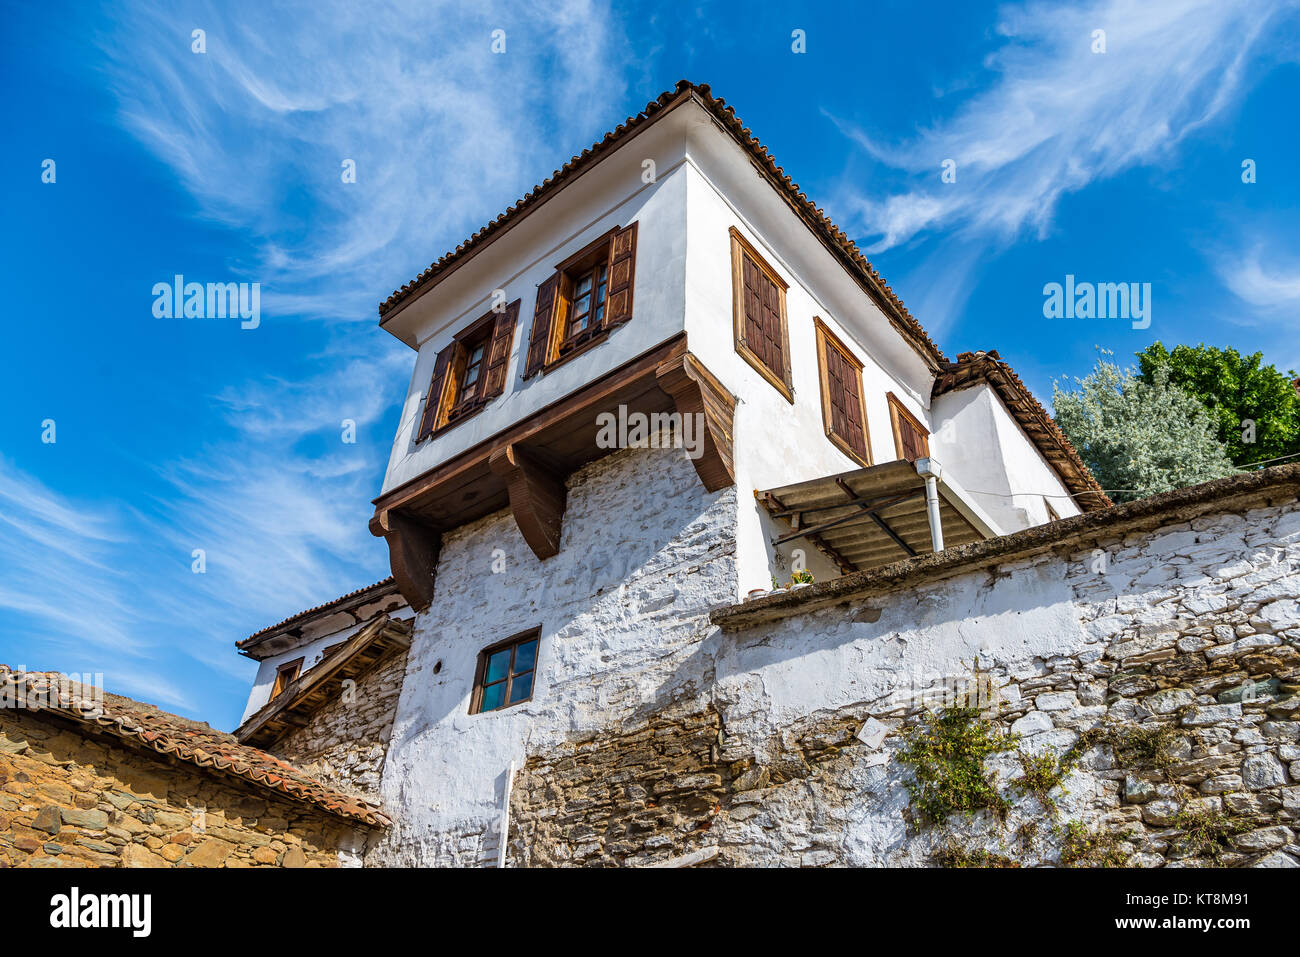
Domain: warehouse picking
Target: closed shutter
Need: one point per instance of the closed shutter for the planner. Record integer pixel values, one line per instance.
(772, 332)
(539, 340)
(753, 283)
(763, 334)
(622, 272)
(915, 445)
(503, 335)
(437, 386)
(843, 391)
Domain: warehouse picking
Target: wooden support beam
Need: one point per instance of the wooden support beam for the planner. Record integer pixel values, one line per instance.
(884, 526)
(845, 566)
(710, 409)
(412, 555)
(536, 497)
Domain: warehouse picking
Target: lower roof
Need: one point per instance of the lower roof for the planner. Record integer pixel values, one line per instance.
(149, 728)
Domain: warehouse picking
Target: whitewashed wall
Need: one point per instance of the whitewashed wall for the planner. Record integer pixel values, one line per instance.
(611, 195)
(999, 467)
(645, 554)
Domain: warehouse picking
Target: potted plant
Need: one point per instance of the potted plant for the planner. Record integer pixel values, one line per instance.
(803, 578)
(776, 587)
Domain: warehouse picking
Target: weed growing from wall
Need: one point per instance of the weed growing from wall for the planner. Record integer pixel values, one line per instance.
(946, 752)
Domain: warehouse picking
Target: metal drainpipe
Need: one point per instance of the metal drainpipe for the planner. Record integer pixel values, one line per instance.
(929, 470)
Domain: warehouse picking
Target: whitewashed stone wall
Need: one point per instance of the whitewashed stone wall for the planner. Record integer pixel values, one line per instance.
(345, 742)
(645, 553)
(1170, 627)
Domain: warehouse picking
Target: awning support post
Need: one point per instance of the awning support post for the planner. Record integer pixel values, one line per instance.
(929, 470)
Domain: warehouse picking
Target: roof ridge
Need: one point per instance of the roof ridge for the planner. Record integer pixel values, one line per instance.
(812, 214)
(147, 726)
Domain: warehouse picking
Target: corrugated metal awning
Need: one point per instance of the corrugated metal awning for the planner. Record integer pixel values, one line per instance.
(873, 516)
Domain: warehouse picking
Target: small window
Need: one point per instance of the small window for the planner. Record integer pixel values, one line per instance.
(587, 296)
(505, 673)
(469, 372)
(758, 311)
(911, 438)
(285, 675)
(844, 413)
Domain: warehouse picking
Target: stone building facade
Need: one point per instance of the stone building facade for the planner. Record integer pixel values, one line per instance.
(345, 742)
(102, 781)
(1144, 665)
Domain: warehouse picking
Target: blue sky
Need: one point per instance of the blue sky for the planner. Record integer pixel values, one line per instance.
(173, 435)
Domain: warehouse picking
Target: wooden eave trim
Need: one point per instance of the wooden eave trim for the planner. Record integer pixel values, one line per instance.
(304, 683)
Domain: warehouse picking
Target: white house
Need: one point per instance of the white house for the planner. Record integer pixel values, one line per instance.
(669, 287)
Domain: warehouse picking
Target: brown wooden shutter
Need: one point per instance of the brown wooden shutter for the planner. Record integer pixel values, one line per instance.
(913, 441)
(622, 272)
(503, 336)
(539, 339)
(844, 394)
(437, 386)
(772, 332)
(752, 281)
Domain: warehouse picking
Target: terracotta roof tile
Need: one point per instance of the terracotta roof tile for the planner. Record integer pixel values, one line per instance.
(146, 726)
(379, 588)
(816, 219)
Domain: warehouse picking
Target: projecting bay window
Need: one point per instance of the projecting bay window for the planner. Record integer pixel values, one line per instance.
(505, 673)
(587, 296)
(911, 438)
(469, 372)
(844, 412)
(758, 311)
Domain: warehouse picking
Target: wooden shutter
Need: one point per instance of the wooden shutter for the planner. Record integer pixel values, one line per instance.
(503, 336)
(773, 334)
(622, 272)
(752, 284)
(437, 387)
(842, 405)
(911, 438)
(539, 339)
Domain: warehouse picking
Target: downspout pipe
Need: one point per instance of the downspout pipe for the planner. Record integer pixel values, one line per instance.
(930, 470)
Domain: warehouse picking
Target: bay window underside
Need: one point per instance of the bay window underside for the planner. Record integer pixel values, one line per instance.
(524, 467)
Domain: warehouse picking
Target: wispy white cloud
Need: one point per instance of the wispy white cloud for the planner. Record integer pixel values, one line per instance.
(442, 130)
(444, 134)
(1058, 116)
(1268, 286)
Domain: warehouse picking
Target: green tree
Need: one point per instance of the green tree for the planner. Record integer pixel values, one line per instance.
(1254, 406)
(1146, 437)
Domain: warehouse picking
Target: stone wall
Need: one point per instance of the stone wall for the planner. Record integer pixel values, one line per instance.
(345, 742)
(1149, 682)
(72, 800)
(645, 554)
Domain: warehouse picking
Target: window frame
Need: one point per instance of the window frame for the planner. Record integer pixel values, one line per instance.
(563, 347)
(478, 332)
(451, 410)
(898, 411)
(480, 670)
(740, 248)
(279, 686)
(826, 338)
